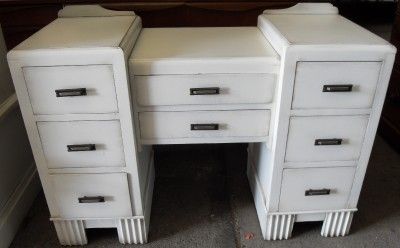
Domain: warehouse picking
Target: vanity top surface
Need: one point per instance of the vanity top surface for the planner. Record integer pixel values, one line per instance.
(80, 32)
(202, 50)
(322, 30)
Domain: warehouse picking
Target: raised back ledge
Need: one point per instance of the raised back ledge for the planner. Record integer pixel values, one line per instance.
(92, 10)
(305, 9)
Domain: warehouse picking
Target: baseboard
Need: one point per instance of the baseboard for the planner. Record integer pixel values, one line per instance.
(18, 205)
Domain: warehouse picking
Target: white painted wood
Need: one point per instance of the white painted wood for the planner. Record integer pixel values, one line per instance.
(327, 30)
(113, 187)
(312, 76)
(320, 39)
(86, 41)
(42, 82)
(296, 182)
(80, 33)
(175, 89)
(202, 50)
(105, 135)
(305, 47)
(171, 125)
(303, 131)
(203, 107)
(92, 10)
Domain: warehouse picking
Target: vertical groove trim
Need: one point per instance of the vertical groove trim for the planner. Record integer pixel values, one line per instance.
(71, 232)
(337, 223)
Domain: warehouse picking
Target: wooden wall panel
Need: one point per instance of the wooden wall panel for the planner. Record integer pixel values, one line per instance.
(390, 121)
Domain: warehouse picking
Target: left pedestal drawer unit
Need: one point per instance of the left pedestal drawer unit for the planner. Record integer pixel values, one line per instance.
(72, 86)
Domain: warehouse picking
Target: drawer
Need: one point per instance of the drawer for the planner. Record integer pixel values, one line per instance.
(204, 124)
(325, 138)
(82, 143)
(91, 195)
(204, 89)
(315, 188)
(80, 89)
(335, 84)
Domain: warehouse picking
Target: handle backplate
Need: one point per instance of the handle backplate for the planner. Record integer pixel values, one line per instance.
(91, 199)
(81, 148)
(204, 127)
(328, 142)
(71, 92)
(337, 88)
(313, 192)
(204, 91)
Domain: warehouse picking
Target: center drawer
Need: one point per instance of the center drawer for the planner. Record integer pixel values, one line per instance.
(91, 195)
(204, 124)
(82, 143)
(71, 89)
(204, 89)
(316, 188)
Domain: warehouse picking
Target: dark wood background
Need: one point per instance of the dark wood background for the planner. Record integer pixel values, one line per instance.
(21, 18)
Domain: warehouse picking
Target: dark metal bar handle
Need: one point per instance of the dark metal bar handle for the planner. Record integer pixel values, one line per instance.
(71, 92)
(328, 142)
(312, 192)
(204, 127)
(337, 88)
(91, 199)
(81, 148)
(204, 91)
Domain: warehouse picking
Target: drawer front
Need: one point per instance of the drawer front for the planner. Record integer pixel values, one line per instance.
(315, 188)
(335, 84)
(92, 195)
(204, 89)
(204, 124)
(82, 143)
(71, 89)
(325, 138)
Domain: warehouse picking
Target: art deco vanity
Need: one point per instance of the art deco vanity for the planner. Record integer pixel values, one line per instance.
(304, 88)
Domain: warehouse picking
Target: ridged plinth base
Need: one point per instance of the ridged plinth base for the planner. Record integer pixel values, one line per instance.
(337, 224)
(71, 232)
(132, 231)
(279, 226)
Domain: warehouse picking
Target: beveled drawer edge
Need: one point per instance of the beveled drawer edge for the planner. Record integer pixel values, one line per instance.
(320, 164)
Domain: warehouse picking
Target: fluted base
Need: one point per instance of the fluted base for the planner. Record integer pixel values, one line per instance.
(279, 226)
(132, 231)
(71, 232)
(337, 223)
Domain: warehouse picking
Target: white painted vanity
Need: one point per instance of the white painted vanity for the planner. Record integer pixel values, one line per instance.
(305, 89)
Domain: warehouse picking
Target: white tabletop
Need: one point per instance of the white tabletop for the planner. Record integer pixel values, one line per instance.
(80, 32)
(325, 29)
(202, 50)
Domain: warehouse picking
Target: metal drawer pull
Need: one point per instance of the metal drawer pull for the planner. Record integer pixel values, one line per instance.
(91, 199)
(204, 91)
(81, 148)
(337, 88)
(328, 142)
(203, 127)
(71, 92)
(312, 192)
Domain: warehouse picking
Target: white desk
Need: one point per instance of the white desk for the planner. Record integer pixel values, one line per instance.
(305, 89)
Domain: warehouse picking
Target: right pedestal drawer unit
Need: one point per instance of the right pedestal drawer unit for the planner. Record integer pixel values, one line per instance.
(331, 96)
